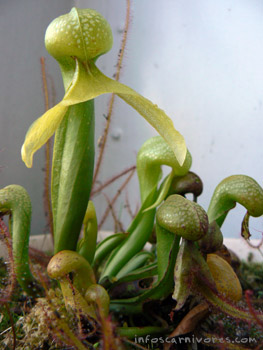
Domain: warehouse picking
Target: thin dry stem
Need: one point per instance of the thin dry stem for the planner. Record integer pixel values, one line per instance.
(45, 282)
(62, 331)
(118, 225)
(8, 292)
(256, 246)
(12, 325)
(60, 328)
(111, 204)
(48, 146)
(112, 99)
(111, 180)
(77, 310)
(248, 295)
(39, 256)
(109, 339)
(128, 207)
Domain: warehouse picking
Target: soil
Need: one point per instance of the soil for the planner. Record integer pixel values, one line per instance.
(22, 316)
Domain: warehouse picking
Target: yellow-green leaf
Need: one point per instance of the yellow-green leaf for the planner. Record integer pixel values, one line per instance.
(163, 193)
(41, 130)
(88, 82)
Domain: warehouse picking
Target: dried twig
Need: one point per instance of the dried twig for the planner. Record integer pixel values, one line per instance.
(128, 207)
(117, 77)
(39, 256)
(118, 225)
(48, 146)
(111, 180)
(248, 295)
(106, 213)
(8, 292)
(12, 325)
(255, 246)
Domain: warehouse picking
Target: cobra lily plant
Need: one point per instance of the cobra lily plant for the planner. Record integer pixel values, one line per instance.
(118, 275)
(76, 40)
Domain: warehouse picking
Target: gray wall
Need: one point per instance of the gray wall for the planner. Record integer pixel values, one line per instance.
(22, 29)
(201, 61)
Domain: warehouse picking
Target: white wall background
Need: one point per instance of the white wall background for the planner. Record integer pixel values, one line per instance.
(22, 29)
(200, 61)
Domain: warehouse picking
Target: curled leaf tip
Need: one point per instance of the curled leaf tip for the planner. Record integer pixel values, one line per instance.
(40, 131)
(27, 157)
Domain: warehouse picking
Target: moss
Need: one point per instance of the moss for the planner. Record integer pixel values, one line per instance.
(37, 326)
(251, 277)
(35, 330)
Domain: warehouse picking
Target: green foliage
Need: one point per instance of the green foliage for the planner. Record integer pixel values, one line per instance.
(251, 277)
(141, 289)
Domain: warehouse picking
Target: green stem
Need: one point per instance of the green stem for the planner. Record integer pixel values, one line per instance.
(134, 332)
(15, 201)
(224, 305)
(99, 296)
(234, 189)
(159, 290)
(139, 232)
(75, 276)
(154, 153)
(135, 283)
(179, 217)
(137, 261)
(105, 247)
(72, 172)
(87, 245)
(165, 240)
